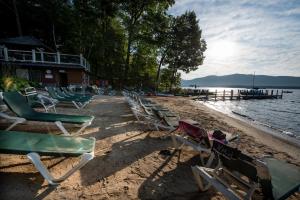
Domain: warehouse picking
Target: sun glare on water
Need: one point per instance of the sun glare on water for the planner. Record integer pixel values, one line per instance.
(222, 50)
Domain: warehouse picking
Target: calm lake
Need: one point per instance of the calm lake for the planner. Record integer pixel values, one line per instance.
(280, 115)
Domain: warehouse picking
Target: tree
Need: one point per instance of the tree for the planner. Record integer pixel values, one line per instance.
(166, 77)
(186, 48)
(133, 13)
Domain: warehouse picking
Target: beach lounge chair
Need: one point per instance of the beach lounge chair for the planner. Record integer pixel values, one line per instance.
(35, 145)
(71, 97)
(17, 103)
(143, 115)
(274, 178)
(34, 99)
(78, 103)
(194, 136)
(71, 94)
(169, 118)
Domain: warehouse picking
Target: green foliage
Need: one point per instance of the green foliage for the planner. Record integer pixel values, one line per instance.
(125, 41)
(14, 84)
(167, 80)
(186, 48)
(138, 18)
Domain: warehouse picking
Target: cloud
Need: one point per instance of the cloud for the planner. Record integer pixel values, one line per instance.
(266, 34)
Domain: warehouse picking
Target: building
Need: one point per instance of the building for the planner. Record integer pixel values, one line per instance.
(33, 60)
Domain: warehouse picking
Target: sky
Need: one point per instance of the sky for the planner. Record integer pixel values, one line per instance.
(247, 36)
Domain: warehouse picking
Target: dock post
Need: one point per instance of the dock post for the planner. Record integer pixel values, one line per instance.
(272, 93)
(206, 94)
(224, 95)
(216, 96)
(239, 97)
(231, 94)
(281, 94)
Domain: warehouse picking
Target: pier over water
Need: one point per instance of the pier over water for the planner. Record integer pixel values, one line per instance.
(239, 95)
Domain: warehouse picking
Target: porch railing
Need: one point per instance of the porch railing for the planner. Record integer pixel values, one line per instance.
(34, 56)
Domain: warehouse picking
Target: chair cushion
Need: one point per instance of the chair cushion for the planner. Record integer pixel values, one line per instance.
(285, 177)
(53, 117)
(15, 142)
(17, 103)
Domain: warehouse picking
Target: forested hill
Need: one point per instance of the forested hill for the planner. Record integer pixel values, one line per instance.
(244, 80)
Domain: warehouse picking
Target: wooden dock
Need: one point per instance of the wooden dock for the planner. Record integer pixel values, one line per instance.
(239, 95)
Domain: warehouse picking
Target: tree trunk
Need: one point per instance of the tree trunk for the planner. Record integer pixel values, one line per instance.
(158, 71)
(17, 18)
(127, 57)
(172, 80)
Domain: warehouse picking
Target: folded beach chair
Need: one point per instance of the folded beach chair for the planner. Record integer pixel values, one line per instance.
(274, 178)
(35, 145)
(35, 100)
(141, 114)
(169, 118)
(17, 103)
(194, 136)
(78, 103)
(149, 105)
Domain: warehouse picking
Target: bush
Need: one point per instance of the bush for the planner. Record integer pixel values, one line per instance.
(14, 84)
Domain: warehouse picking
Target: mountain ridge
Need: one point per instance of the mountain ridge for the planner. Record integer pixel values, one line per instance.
(244, 80)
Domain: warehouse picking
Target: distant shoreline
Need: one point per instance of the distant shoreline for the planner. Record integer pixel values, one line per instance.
(243, 86)
(245, 81)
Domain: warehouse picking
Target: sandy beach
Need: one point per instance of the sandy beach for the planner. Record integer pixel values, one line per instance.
(129, 163)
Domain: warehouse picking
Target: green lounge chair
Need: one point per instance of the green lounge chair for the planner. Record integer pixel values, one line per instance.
(69, 93)
(79, 104)
(37, 100)
(17, 103)
(275, 178)
(76, 98)
(35, 144)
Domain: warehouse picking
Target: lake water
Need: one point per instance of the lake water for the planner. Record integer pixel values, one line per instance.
(280, 115)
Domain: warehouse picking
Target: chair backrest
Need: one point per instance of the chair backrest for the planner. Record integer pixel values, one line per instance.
(59, 92)
(17, 103)
(51, 92)
(66, 91)
(234, 160)
(31, 95)
(193, 130)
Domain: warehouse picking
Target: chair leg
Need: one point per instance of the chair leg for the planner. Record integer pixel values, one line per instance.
(67, 133)
(175, 143)
(35, 159)
(62, 128)
(210, 160)
(54, 109)
(84, 125)
(202, 173)
(199, 180)
(17, 120)
(76, 105)
(79, 105)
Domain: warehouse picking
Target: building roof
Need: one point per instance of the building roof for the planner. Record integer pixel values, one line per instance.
(23, 40)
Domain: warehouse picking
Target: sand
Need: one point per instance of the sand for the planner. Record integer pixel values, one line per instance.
(128, 162)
